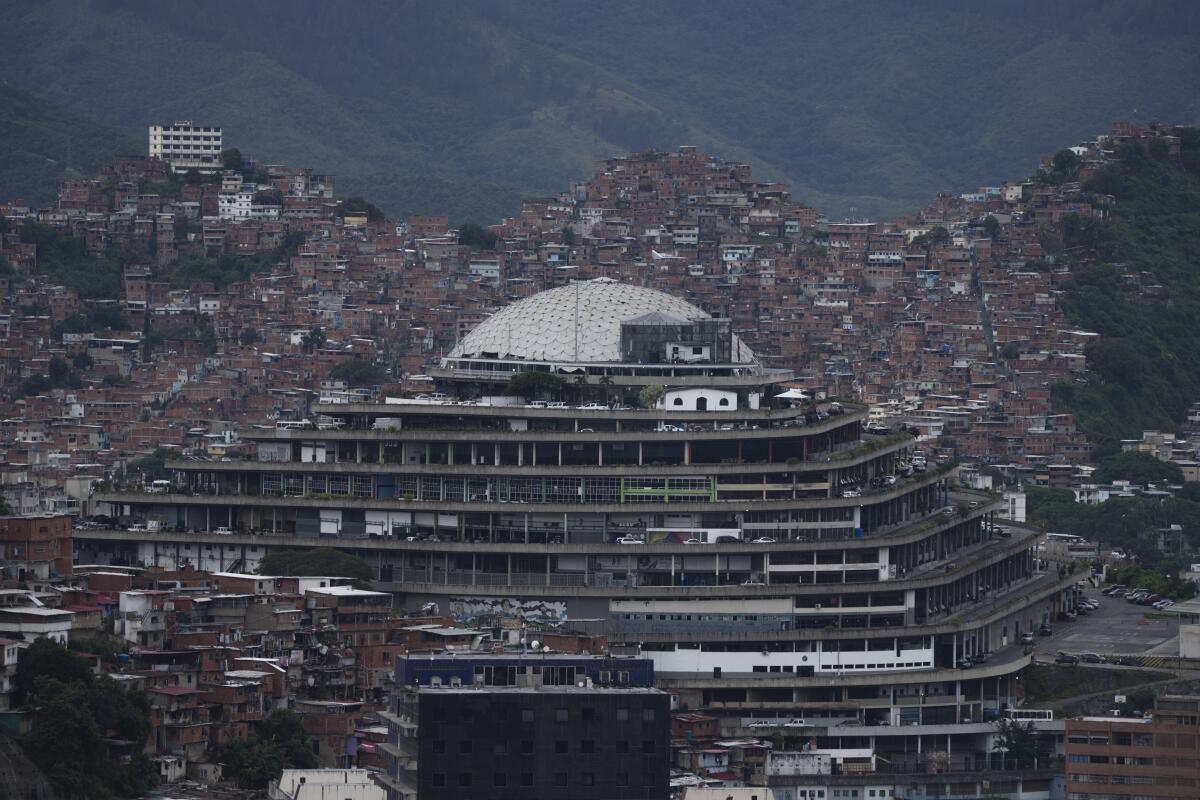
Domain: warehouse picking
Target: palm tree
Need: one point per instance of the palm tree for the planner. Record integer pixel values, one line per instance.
(607, 382)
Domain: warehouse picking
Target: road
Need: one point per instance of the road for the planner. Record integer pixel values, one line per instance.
(1116, 628)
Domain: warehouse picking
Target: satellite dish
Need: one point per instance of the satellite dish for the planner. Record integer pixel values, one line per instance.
(535, 644)
(546, 649)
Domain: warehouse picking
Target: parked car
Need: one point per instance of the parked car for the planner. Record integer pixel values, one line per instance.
(1066, 658)
(764, 540)
(1027, 637)
(1045, 630)
(693, 540)
(629, 540)
(1091, 658)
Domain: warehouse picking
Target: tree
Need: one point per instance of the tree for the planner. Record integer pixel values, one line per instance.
(476, 236)
(568, 236)
(323, 561)
(232, 159)
(36, 384)
(1016, 739)
(59, 370)
(1064, 161)
(1139, 469)
(313, 340)
(359, 372)
(650, 395)
(82, 360)
(248, 336)
(46, 658)
(5, 510)
(277, 743)
(991, 226)
(607, 382)
(532, 385)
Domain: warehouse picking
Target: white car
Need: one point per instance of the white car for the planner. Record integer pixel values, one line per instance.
(223, 531)
(851, 493)
(764, 540)
(692, 541)
(593, 406)
(629, 540)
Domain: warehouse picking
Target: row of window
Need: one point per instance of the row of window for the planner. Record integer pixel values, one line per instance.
(1141, 761)
(500, 712)
(1123, 739)
(561, 747)
(1084, 777)
(560, 779)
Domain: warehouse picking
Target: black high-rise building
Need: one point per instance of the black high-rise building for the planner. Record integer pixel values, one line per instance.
(531, 738)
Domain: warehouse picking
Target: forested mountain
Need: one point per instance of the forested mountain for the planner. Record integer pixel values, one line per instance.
(1136, 281)
(465, 107)
(41, 144)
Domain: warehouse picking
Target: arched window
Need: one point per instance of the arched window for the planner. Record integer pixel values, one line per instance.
(724, 401)
(678, 401)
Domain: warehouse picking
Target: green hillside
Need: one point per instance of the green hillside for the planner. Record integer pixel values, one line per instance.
(1145, 370)
(41, 144)
(466, 107)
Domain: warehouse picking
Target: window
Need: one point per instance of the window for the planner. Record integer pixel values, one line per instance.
(588, 778)
(622, 779)
(527, 779)
(560, 746)
(439, 746)
(560, 779)
(1143, 740)
(500, 748)
(622, 715)
(588, 714)
(647, 715)
(622, 746)
(648, 746)
(438, 779)
(561, 715)
(465, 746)
(499, 779)
(526, 747)
(464, 779)
(678, 401)
(587, 746)
(526, 715)
(724, 401)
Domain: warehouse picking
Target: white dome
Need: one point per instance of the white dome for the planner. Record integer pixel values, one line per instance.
(579, 323)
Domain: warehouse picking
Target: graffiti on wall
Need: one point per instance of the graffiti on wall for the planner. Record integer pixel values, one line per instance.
(542, 612)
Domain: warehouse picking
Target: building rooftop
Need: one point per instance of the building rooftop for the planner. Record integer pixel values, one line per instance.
(579, 323)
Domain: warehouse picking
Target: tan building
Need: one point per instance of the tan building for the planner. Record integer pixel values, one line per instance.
(1151, 757)
(35, 547)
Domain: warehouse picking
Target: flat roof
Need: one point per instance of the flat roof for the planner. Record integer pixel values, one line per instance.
(346, 591)
(35, 611)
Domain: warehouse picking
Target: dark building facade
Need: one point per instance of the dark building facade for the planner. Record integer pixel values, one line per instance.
(526, 735)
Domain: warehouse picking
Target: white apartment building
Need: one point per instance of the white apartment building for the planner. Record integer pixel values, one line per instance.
(186, 146)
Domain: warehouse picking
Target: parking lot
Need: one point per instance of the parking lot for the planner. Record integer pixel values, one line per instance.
(1117, 628)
